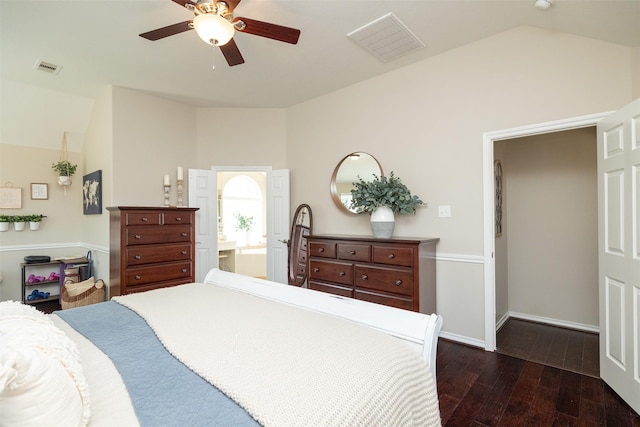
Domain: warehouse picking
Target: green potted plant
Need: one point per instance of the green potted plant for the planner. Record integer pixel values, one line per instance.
(34, 221)
(244, 223)
(4, 222)
(18, 222)
(65, 171)
(383, 198)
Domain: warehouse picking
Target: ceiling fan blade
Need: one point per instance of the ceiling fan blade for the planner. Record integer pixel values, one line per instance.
(270, 31)
(183, 3)
(231, 4)
(170, 30)
(232, 53)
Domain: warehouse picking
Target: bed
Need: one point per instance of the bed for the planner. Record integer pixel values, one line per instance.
(233, 350)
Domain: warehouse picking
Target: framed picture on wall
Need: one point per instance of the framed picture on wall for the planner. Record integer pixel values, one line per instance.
(92, 193)
(39, 191)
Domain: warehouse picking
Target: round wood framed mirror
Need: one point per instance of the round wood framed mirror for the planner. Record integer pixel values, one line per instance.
(301, 227)
(351, 167)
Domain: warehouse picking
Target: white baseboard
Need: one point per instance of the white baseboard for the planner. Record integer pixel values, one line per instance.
(500, 323)
(462, 339)
(555, 322)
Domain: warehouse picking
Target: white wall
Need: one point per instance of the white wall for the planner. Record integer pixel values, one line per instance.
(241, 137)
(426, 121)
(151, 138)
(34, 121)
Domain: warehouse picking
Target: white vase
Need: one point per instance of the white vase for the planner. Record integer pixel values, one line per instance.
(64, 180)
(18, 226)
(34, 225)
(4, 226)
(382, 222)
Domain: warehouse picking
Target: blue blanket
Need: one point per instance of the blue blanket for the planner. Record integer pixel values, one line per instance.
(164, 392)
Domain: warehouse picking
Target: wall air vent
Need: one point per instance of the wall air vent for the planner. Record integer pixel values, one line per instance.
(47, 67)
(386, 38)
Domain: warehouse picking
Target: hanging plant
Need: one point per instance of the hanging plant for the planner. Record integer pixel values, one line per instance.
(64, 168)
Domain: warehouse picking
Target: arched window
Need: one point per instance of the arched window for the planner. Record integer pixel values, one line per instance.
(242, 209)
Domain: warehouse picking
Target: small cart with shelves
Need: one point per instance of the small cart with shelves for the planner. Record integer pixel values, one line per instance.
(43, 281)
(40, 282)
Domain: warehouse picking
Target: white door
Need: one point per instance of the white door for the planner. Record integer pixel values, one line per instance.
(278, 208)
(203, 195)
(619, 251)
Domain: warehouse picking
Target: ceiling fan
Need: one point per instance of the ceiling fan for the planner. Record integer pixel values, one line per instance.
(215, 24)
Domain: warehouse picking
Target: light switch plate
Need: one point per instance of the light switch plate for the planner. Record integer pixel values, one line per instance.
(444, 211)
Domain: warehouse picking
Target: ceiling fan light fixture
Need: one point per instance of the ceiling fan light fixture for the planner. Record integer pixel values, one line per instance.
(543, 4)
(213, 29)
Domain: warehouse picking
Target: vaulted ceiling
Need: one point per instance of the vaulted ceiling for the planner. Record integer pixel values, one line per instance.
(96, 43)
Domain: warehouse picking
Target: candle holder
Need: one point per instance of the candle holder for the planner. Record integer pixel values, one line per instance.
(180, 182)
(167, 189)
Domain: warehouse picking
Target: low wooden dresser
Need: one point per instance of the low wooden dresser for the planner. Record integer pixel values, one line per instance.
(398, 272)
(150, 247)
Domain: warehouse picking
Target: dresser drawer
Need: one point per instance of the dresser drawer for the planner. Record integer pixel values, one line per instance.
(156, 273)
(149, 254)
(393, 255)
(162, 234)
(322, 249)
(331, 271)
(176, 218)
(398, 281)
(142, 218)
(392, 301)
(331, 289)
(354, 252)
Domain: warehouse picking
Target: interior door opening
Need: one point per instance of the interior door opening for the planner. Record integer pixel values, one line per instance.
(489, 139)
(242, 223)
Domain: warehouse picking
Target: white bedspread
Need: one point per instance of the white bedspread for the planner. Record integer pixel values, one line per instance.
(287, 366)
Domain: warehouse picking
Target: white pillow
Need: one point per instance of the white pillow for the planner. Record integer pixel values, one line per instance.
(41, 379)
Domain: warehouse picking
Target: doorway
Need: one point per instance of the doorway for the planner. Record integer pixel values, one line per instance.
(489, 140)
(242, 224)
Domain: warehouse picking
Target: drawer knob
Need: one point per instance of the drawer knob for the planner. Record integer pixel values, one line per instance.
(137, 236)
(391, 256)
(138, 277)
(315, 270)
(184, 270)
(178, 219)
(398, 282)
(144, 219)
(321, 250)
(138, 257)
(183, 252)
(184, 234)
(342, 273)
(365, 277)
(352, 252)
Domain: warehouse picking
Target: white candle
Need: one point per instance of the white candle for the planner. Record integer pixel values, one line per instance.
(180, 177)
(167, 180)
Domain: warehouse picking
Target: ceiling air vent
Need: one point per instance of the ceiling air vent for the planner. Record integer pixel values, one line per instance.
(386, 38)
(47, 67)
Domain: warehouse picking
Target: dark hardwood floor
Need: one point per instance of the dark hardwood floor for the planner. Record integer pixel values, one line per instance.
(48, 306)
(573, 350)
(481, 388)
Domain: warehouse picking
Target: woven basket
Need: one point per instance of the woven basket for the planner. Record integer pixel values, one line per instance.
(90, 296)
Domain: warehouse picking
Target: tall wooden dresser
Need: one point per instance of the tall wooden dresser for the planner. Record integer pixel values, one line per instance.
(150, 247)
(399, 272)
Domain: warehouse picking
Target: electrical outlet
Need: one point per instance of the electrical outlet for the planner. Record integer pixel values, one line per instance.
(444, 211)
